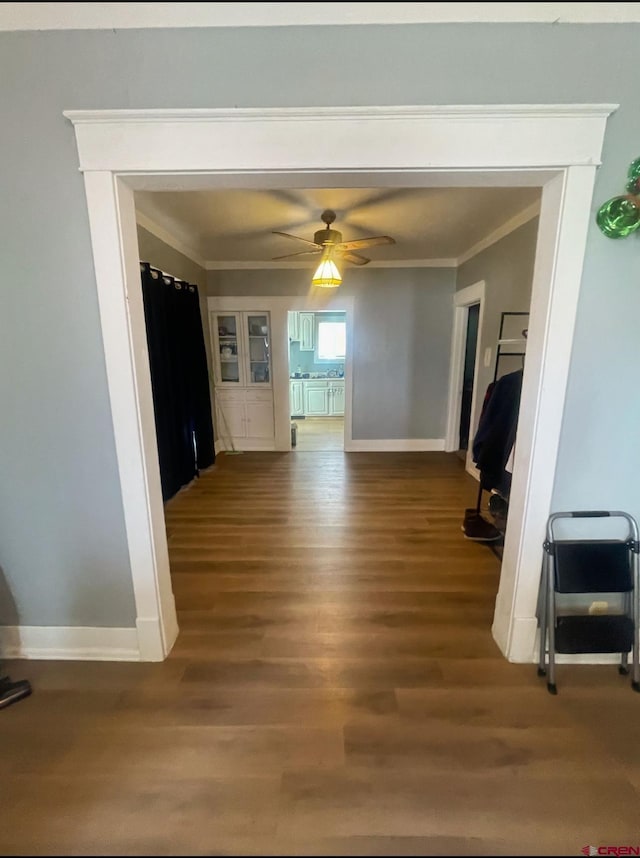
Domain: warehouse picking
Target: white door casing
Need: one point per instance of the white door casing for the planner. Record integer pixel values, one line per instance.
(462, 300)
(555, 147)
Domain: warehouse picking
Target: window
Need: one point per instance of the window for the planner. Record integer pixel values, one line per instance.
(332, 338)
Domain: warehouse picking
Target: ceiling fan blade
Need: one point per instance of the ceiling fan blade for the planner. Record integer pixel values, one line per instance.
(297, 238)
(355, 258)
(361, 243)
(299, 253)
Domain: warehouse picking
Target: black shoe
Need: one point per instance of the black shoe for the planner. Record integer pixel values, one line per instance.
(11, 692)
(480, 530)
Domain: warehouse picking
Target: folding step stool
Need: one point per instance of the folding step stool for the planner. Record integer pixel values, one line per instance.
(589, 567)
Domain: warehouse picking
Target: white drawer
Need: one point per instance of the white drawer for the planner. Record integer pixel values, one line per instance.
(253, 395)
(227, 395)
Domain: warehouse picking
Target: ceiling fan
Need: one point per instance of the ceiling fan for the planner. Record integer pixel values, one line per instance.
(329, 243)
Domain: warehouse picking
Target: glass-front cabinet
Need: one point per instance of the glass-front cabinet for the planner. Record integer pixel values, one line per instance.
(228, 348)
(242, 353)
(257, 326)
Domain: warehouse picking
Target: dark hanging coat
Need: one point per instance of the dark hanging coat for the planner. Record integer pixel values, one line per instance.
(496, 433)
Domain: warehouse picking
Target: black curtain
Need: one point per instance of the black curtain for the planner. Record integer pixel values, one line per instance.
(179, 378)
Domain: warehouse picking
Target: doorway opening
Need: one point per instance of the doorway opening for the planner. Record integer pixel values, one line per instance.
(555, 148)
(317, 355)
(468, 378)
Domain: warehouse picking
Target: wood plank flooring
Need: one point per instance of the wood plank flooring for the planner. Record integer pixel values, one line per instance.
(319, 434)
(335, 690)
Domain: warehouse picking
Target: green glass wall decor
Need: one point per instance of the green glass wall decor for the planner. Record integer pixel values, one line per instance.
(620, 216)
(633, 177)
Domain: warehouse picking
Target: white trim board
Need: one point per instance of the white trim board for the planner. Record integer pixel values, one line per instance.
(107, 16)
(559, 146)
(462, 300)
(69, 642)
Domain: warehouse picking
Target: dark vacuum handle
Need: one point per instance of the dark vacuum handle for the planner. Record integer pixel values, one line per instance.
(595, 513)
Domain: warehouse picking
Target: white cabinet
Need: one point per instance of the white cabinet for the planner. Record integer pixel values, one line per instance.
(244, 416)
(244, 419)
(316, 399)
(306, 326)
(323, 398)
(241, 349)
(336, 398)
(231, 420)
(259, 420)
(296, 398)
(294, 325)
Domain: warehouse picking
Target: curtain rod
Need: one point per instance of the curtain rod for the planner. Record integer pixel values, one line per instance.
(166, 274)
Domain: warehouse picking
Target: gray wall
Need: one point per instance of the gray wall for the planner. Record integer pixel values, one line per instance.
(401, 342)
(507, 269)
(154, 251)
(62, 538)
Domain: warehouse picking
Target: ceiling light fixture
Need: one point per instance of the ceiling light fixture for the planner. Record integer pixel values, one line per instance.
(327, 275)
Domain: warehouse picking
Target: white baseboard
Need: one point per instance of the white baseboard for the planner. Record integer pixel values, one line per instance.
(73, 643)
(396, 445)
(150, 642)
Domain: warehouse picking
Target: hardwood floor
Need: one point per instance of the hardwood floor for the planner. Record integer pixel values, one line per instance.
(319, 434)
(334, 690)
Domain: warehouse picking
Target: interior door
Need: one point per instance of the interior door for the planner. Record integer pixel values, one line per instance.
(473, 318)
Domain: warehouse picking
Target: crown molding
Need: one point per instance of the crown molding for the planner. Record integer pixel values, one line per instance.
(257, 265)
(501, 232)
(327, 114)
(168, 238)
(98, 16)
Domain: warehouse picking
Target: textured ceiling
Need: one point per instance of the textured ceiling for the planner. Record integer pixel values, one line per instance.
(426, 223)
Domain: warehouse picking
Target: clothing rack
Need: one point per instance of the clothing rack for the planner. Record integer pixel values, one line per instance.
(507, 346)
(509, 342)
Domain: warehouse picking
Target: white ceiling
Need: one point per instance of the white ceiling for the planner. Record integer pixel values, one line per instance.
(236, 226)
(61, 16)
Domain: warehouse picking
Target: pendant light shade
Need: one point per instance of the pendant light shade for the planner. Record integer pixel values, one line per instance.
(327, 275)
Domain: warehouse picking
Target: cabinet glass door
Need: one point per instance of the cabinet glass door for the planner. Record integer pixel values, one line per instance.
(228, 348)
(259, 351)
